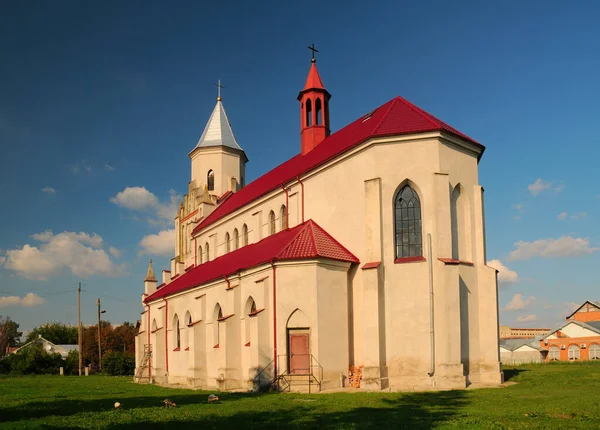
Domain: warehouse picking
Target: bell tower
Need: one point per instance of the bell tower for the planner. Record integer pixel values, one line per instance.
(314, 109)
(218, 161)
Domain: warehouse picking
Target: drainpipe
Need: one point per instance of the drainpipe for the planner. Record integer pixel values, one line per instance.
(274, 319)
(166, 337)
(287, 206)
(195, 252)
(302, 185)
(149, 346)
(431, 327)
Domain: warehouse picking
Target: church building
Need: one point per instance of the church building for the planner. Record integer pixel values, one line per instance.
(358, 262)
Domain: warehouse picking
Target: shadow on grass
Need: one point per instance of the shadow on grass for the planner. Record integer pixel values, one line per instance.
(512, 372)
(411, 410)
(68, 407)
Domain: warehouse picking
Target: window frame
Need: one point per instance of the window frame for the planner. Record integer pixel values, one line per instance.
(409, 250)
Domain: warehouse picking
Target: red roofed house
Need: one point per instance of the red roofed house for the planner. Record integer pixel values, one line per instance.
(364, 251)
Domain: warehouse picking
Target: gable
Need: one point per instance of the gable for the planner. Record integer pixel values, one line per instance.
(586, 308)
(573, 329)
(526, 348)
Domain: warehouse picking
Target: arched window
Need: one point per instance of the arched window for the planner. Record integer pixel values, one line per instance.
(271, 223)
(407, 223)
(250, 311)
(283, 214)
(594, 352)
(177, 334)
(236, 239)
(154, 327)
(186, 330)
(245, 235)
(207, 251)
(200, 253)
(227, 248)
(554, 353)
(217, 315)
(573, 352)
(318, 112)
(308, 113)
(210, 180)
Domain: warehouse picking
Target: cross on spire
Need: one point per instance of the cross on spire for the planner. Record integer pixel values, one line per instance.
(312, 48)
(219, 86)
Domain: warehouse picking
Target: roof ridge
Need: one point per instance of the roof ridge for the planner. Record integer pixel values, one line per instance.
(312, 235)
(294, 237)
(426, 115)
(384, 116)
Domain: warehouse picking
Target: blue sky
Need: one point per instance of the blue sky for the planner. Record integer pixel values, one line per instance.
(98, 97)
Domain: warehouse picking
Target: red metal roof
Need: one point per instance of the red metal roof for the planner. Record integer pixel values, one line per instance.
(396, 117)
(307, 240)
(313, 81)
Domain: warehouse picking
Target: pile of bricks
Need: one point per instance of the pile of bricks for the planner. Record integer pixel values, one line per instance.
(355, 375)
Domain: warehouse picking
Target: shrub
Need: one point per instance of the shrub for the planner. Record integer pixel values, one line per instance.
(32, 360)
(118, 363)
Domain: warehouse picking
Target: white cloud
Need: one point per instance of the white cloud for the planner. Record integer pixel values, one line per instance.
(80, 166)
(48, 190)
(519, 207)
(108, 167)
(140, 199)
(538, 186)
(135, 198)
(564, 246)
(28, 300)
(114, 252)
(518, 302)
(564, 215)
(526, 318)
(161, 243)
(2, 260)
(81, 253)
(559, 188)
(505, 275)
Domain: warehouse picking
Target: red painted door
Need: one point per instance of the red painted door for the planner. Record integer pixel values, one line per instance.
(299, 355)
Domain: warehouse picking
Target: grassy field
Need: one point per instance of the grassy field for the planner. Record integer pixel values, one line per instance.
(542, 396)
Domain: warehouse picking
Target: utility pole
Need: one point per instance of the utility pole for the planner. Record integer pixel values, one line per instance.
(99, 347)
(79, 328)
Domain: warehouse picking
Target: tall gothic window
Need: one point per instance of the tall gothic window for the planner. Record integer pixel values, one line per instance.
(407, 223)
(177, 333)
(207, 252)
(200, 253)
(283, 217)
(227, 248)
(236, 239)
(271, 223)
(210, 180)
(244, 235)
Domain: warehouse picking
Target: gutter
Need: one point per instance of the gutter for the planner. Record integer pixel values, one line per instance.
(150, 347)
(166, 325)
(274, 320)
(431, 321)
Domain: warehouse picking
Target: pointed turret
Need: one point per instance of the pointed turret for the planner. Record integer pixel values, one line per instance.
(150, 280)
(217, 156)
(314, 110)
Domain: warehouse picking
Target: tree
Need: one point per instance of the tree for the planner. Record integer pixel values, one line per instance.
(9, 334)
(55, 332)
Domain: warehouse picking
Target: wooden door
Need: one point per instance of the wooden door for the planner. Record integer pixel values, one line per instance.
(299, 354)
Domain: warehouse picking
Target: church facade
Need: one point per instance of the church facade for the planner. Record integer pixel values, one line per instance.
(364, 251)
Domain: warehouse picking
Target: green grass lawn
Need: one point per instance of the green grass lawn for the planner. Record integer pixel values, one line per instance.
(543, 396)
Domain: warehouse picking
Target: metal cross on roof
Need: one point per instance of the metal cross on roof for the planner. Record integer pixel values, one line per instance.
(219, 86)
(312, 48)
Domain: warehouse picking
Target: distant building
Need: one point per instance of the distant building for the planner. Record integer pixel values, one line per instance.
(589, 311)
(49, 347)
(521, 333)
(520, 351)
(574, 341)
